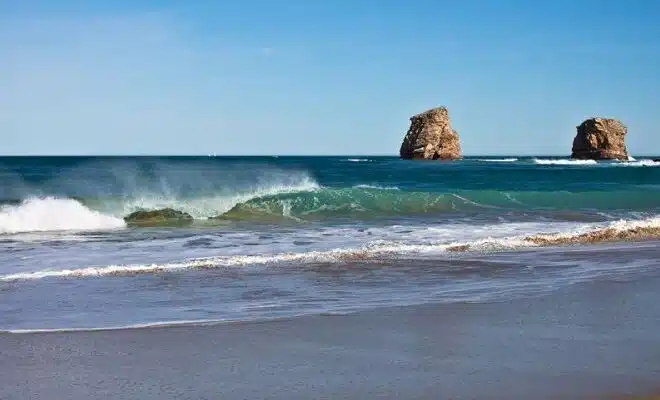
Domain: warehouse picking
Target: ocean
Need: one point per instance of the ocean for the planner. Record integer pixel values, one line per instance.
(279, 237)
(329, 277)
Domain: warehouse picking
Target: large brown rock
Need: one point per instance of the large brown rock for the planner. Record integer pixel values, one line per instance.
(600, 139)
(431, 137)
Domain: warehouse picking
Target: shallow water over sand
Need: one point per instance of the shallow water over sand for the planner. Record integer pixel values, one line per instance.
(595, 339)
(308, 235)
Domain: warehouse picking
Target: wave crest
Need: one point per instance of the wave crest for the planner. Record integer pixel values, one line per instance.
(357, 202)
(365, 201)
(211, 205)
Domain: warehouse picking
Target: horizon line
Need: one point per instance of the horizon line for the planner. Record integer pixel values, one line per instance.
(255, 155)
(281, 155)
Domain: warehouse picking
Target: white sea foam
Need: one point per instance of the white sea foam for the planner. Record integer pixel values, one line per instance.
(504, 160)
(365, 186)
(378, 250)
(53, 214)
(639, 163)
(146, 325)
(358, 160)
(631, 162)
(624, 224)
(541, 161)
(232, 261)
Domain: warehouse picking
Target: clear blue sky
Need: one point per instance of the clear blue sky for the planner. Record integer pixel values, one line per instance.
(321, 77)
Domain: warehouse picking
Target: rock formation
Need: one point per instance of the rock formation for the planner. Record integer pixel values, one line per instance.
(600, 139)
(431, 137)
(165, 216)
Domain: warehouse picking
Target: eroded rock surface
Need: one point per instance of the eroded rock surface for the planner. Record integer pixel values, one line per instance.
(165, 216)
(600, 139)
(431, 137)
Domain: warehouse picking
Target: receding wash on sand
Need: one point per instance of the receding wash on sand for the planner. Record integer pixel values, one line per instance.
(431, 137)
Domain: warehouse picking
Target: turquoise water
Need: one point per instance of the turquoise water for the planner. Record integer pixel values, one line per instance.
(278, 236)
(322, 188)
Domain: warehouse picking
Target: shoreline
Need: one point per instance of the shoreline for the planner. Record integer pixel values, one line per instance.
(592, 340)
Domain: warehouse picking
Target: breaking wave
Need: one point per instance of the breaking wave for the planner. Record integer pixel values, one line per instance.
(307, 201)
(53, 214)
(377, 251)
(640, 163)
(205, 205)
(97, 193)
(504, 160)
(631, 162)
(541, 161)
(97, 196)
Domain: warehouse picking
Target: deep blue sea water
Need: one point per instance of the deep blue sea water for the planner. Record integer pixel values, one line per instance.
(281, 236)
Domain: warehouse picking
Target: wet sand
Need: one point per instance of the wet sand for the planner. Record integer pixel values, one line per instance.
(596, 340)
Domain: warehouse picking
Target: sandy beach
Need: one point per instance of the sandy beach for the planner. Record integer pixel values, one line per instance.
(596, 340)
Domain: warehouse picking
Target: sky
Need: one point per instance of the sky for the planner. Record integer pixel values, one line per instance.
(319, 77)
